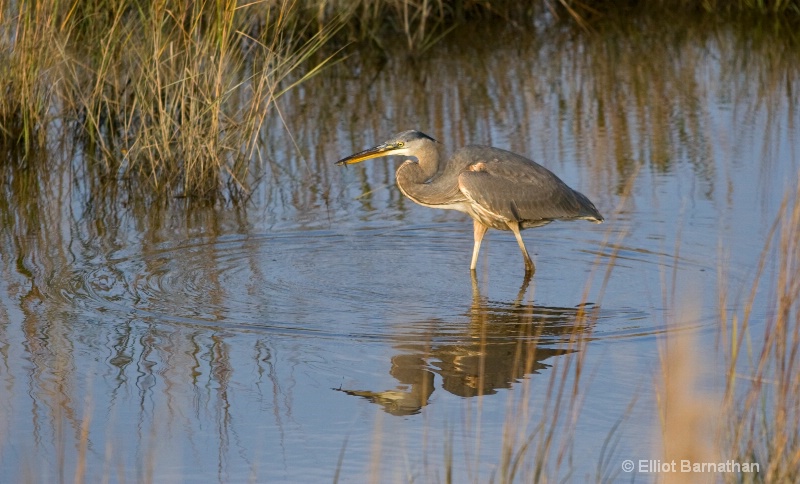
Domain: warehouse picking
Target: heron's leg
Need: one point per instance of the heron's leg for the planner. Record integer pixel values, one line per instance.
(479, 232)
(529, 267)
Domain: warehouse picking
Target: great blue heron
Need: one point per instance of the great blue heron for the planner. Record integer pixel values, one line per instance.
(497, 188)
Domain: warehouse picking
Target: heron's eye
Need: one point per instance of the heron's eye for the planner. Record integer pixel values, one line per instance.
(400, 144)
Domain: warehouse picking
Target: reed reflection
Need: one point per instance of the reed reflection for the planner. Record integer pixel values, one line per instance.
(502, 343)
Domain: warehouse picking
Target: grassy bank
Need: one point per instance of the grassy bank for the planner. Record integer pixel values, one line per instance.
(174, 94)
(166, 92)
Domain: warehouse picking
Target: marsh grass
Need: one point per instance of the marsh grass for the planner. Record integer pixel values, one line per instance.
(762, 392)
(175, 94)
(181, 106)
(751, 411)
(687, 417)
(170, 93)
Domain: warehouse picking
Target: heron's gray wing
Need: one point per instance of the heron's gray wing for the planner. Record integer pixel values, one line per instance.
(520, 190)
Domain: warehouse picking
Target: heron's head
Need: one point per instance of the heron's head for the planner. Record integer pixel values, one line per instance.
(405, 143)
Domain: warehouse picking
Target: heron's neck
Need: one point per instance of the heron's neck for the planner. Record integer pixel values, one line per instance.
(423, 182)
(423, 169)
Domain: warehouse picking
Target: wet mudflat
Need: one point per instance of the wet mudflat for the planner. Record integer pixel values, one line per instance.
(329, 327)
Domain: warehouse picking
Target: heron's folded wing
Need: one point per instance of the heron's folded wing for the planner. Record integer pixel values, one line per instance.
(519, 191)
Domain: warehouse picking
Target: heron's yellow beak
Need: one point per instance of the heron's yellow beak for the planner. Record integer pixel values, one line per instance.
(376, 152)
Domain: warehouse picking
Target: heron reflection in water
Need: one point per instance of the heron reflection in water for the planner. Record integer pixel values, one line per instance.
(497, 188)
(501, 344)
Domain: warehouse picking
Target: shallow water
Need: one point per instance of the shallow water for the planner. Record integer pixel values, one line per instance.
(331, 327)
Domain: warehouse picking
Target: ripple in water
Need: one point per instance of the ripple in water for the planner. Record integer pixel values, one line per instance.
(367, 285)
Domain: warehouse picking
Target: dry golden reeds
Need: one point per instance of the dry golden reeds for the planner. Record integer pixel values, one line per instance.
(762, 397)
(176, 93)
(167, 92)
